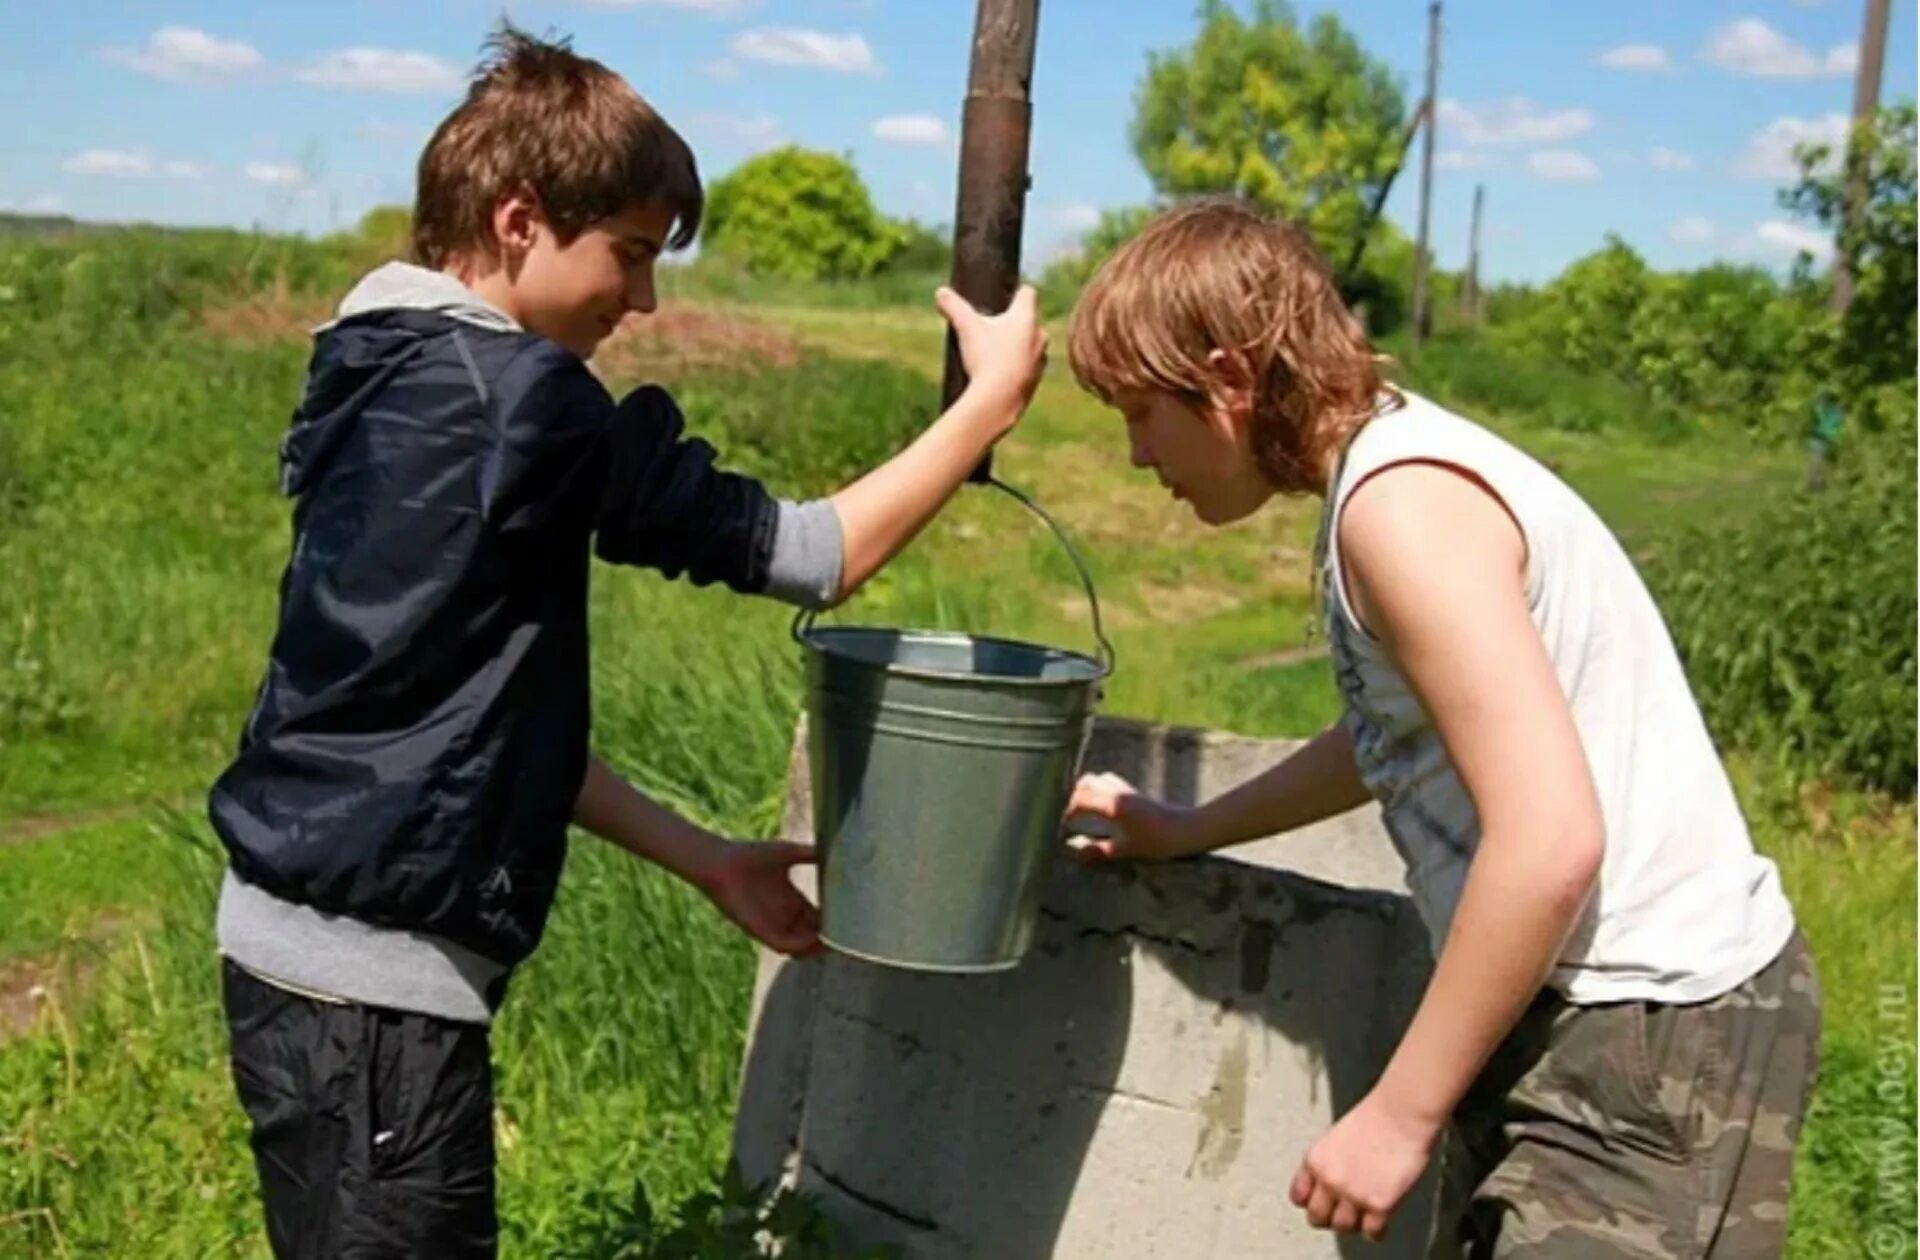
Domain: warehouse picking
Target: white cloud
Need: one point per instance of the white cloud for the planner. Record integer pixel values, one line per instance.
(1463, 160)
(122, 164)
(114, 162)
(1664, 159)
(1769, 154)
(185, 55)
(1778, 236)
(1073, 217)
(1750, 46)
(755, 131)
(911, 129)
(1636, 57)
(381, 70)
(1562, 166)
(275, 174)
(815, 50)
(1515, 120)
(1693, 230)
(722, 68)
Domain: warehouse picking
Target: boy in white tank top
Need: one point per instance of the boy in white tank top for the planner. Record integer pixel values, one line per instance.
(1622, 1026)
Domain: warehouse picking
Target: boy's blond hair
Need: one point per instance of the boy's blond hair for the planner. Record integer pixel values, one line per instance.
(1216, 274)
(540, 117)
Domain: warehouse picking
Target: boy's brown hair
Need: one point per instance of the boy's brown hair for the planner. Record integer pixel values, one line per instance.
(541, 117)
(1217, 274)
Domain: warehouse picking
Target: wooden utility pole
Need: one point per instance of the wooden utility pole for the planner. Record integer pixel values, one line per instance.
(1422, 324)
(1866, 100)
(1470, 291)
(990, 206)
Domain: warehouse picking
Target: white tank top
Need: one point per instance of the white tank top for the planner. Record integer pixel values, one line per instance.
(1684, 909)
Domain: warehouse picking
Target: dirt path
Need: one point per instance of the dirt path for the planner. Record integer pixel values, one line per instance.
(36, 826)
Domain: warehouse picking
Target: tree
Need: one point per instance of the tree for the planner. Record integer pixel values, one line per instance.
(800, 214)
(1065, 276)
(1875, 340)
(1585, 313)
(1305, 124)
(922, 248)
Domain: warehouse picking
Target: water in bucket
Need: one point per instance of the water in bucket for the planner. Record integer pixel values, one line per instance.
(941, 765)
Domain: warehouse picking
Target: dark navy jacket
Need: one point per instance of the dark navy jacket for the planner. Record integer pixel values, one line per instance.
(417, 744)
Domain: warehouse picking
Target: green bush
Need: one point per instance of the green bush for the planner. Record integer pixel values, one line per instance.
(137, 278)
(799, 214)
(1480, 375)
(1798, 628)
(1721, 344)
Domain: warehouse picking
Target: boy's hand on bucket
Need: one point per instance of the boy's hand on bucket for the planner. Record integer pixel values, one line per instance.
(1004, 353)
(1141, 829)
(748, 881)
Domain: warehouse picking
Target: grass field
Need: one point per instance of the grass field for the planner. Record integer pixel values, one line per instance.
(141, 539)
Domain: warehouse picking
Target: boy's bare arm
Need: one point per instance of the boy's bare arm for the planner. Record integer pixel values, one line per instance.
(1442, 566)
(1318, 781)
(616, 811)
(882, 511)
(748, 881)
(1438, 571)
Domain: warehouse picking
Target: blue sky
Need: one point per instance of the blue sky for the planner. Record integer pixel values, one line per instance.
(1667, 121)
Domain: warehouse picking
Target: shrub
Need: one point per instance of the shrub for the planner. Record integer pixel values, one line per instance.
(1798, 628)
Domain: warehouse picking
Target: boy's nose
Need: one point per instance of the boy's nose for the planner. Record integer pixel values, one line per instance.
(641, 298)
(1140, 455)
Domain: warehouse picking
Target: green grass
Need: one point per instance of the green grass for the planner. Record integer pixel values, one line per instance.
(141, 539)
(61, 888)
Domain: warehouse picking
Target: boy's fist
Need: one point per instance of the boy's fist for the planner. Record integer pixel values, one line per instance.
(1139, 828)
(1006, 353)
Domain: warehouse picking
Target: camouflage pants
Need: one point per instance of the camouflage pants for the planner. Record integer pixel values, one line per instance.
(1637, 1129)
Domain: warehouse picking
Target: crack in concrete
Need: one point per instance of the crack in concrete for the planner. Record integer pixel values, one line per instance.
(1133, 930)
(1128, 1095)
(877, 1204)
(905, 1044)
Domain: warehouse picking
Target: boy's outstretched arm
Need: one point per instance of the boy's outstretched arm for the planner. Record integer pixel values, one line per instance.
(1318, 781)
(747, 880)
(1438, 571)
(1005, 356)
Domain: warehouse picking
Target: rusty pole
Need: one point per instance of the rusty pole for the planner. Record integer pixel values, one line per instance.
(991, 203)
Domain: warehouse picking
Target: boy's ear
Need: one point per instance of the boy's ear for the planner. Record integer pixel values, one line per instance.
(1230, 389)
(516, 221)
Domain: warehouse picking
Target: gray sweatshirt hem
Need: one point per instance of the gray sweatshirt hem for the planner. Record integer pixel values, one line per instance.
(333, 956)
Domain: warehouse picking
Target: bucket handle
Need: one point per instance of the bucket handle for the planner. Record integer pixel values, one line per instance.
(803, 619)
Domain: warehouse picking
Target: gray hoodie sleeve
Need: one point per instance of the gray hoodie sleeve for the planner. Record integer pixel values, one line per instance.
(807, 547)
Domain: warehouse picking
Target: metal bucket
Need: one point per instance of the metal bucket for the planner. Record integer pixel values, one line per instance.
(941, 766)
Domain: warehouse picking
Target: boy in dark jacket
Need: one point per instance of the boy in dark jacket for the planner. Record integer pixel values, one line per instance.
(396, 816)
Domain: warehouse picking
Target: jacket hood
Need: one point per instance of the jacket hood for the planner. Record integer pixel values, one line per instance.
(358, 351)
